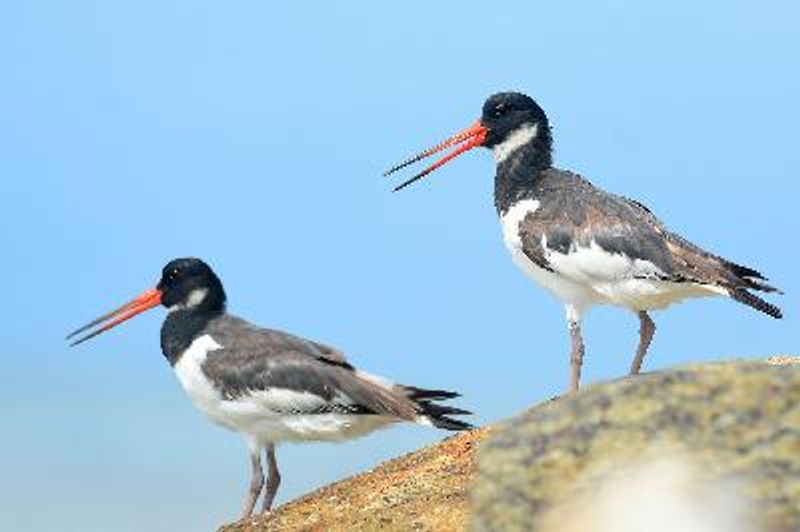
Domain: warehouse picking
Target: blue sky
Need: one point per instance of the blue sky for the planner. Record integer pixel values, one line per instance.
(254, 135)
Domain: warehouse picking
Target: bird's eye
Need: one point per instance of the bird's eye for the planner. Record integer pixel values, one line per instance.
(499, 110)
(173, 274)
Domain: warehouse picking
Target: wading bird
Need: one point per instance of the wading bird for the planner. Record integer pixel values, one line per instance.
(583, 244)
(268, 385)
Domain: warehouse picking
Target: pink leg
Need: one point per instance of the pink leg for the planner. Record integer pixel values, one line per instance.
(273, 478)
(647, 328)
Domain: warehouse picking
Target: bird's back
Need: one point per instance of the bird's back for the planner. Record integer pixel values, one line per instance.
(584, 232)
(276, 385)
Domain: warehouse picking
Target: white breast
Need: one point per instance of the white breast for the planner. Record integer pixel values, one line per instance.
(569, 292)
(195, 383)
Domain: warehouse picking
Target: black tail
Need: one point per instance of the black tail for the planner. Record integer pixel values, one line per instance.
(744, 279)
(752, 279)
(431, 395)
(743, 296)
(436, 413)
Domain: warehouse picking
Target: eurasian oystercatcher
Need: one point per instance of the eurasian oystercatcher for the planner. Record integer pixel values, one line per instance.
(583, 244)
(268, 385)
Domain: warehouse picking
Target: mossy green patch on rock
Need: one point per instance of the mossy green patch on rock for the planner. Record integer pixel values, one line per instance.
(739, 420)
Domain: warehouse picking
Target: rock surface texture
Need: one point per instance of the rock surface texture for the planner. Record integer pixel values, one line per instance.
(714, 445)
(425, 490)
(706, 448)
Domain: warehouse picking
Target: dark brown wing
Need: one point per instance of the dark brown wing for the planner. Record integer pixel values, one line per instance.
(254, 359)
(578, 215)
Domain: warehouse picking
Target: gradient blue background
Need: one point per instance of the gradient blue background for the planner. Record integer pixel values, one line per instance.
(254, 135)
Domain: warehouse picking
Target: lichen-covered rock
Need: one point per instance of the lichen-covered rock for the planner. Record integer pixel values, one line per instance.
(425, 490)
(729, 429)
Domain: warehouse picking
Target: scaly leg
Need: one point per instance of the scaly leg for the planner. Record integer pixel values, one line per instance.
(256, 482)
(647, 329)
(273, 478)
(576, 357)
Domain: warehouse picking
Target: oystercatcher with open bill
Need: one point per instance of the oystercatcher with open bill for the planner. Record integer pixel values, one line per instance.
(583, 244)
(268, 385)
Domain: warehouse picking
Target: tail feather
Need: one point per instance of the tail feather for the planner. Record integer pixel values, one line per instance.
(433, 409)
(743, 296)
(744, 279)
(448, 423)
(752, 279)
(433, 395)
(438, 414)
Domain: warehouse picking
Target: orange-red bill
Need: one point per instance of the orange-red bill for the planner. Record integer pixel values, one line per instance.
(144, 301)
(473, 136)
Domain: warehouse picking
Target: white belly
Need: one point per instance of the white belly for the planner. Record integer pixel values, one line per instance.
(255, 414)
(567, 291)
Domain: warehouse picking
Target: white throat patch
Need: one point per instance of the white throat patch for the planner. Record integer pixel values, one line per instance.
(519, 137)
(196, 297)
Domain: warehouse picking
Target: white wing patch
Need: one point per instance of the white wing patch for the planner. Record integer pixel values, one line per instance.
(290, 401)
(620, 280)
(588, 264)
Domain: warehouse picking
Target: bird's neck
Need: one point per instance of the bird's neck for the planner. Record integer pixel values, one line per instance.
(518, 173)
(181, 328)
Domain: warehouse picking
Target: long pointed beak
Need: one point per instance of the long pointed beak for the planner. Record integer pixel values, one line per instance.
(144, 301)
(473, 136)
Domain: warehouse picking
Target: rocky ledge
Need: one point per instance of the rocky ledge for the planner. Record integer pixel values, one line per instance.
(705, 447)
(711, 447)
(424, 490)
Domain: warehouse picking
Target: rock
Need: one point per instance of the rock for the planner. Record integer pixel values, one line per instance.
(713, 445)
(705, 439)
(783, 360)
(425, 490)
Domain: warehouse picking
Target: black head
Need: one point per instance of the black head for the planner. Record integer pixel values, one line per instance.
(504, 115)
(507, 112)
(190, 284)
(186, 284)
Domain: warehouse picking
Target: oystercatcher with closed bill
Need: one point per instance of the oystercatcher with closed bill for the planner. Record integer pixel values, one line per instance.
(268, 385)
(583, 244)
